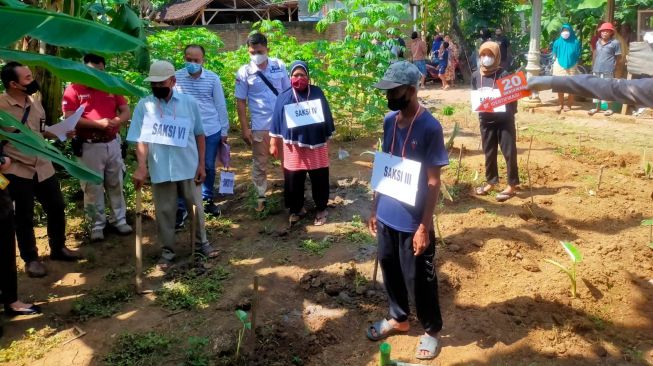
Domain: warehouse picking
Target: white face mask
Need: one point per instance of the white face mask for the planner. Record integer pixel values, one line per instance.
(487, 61)
(565, 35)
(258, 58)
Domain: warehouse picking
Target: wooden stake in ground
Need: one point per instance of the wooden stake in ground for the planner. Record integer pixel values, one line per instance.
(139, 241)
(528, 170)
(376, 266)
(193, 222)
(598, 185)
(460, 157)
(255, 304)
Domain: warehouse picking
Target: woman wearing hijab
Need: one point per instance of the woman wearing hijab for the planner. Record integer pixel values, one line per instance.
(566, 50)
(302, 124)
(498, 127)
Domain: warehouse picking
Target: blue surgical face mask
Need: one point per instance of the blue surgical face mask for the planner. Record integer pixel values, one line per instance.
(193, 68)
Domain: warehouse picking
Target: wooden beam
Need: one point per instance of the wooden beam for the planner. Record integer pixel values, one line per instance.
(609, 11)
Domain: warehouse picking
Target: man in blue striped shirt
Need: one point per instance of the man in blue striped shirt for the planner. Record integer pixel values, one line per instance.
(206, 88)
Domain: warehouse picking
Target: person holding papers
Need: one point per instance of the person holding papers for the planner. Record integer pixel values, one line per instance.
(406, 180)
(167, 129)
(302, 125)
(99, 147)
(497, 127)
(32, 177)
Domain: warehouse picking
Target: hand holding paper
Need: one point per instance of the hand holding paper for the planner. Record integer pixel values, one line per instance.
(62, 129)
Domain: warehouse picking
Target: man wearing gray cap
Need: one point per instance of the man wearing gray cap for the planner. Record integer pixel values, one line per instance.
(402, 210)
(167, 129)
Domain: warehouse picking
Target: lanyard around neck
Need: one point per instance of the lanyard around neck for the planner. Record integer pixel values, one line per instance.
(174, 108)
(394, 133)
(294, 93)
(494, 82)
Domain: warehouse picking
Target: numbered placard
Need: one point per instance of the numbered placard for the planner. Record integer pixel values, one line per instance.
(227, 182)
(512, 87)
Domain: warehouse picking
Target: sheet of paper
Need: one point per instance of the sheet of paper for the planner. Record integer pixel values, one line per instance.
(227, 181)
(396, 177)
(60, 129)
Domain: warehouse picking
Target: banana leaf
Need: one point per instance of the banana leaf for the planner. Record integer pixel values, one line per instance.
(28, 142)
(63, 30)
(126, 20)
(75, 72)
(13, 3)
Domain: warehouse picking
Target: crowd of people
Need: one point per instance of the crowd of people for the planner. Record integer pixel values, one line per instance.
(180, 129)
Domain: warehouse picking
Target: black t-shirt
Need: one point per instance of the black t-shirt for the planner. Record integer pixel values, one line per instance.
(490, 81)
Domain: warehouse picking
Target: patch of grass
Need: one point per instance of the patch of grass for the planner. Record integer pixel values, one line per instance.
(315, 247)
(191, 290)
(101, 303)
(34, 345)
(118, 274)
(569, 151)
(634, 353)
(220, 224)
(358, 233)
(272, 205)
(197, 353)
(140, 349)
(599, 323)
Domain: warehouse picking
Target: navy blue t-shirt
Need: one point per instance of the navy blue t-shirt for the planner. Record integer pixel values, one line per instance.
(425, 145)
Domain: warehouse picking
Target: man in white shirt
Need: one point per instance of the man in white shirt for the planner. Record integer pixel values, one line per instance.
(206, 88)
(257, 85)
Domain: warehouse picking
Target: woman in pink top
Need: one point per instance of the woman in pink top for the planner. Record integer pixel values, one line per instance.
(302, 124)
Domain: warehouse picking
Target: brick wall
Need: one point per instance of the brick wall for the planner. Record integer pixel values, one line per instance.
(235, 35)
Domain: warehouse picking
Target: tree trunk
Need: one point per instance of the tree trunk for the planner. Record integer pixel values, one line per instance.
(51, 89)
(464, 45)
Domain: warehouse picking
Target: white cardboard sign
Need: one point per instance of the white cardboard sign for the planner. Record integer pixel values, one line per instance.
(478, 96)
(396, 177)
(227, 182)
(165, 131)
(304, 113)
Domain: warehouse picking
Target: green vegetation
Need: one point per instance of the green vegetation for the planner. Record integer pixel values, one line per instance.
(315, 247)
(247, 325)
(34, 344)
(576, 257)
(649, 223)
(101, 303)
(197, 353)
(192, 290)
(139, 349)
(358, 234)
(272, 204)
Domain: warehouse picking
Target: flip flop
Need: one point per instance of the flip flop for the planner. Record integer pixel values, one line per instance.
(504, 196)
(480, 191)
(566, 108)
(320, 218)
(592, 111)
(260, 204)
(429, 344)
(383, 330)
(608, 113)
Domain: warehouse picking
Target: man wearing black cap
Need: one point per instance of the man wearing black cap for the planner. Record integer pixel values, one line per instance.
(402, 211)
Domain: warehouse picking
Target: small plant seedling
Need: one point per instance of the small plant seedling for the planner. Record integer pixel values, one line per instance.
(242, 316)
(454, 133)
(576, 258)
(649, 223)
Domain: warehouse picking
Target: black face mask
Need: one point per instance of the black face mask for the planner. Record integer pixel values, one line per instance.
(396, 104)
(31, 88)
(161, 92)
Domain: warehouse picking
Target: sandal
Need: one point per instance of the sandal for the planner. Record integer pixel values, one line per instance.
(260, 204)
(592, 111)
(295, 218)
(429, 344)
(320, 218)
(383, 330)
(608, 113)
(566, 108)
(504, 196)
(207, 250)
(481, 191)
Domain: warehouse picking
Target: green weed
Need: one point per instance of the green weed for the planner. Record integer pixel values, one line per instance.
(101, 303)
(192, 290)
(576, 257)
(34, 345)
(315, 247)
(140, 349)
(197, 353)
(272, 204)
(247, 325)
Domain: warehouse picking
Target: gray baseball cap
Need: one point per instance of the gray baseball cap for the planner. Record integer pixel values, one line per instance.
(398, 74)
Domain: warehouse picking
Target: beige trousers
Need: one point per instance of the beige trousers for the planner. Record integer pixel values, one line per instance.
(260, 157)
(165, 204)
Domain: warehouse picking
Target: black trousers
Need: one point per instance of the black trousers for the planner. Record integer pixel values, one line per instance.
(48, 193)
(8, 276)
(409, 277)
(500, 132)
(294, 188)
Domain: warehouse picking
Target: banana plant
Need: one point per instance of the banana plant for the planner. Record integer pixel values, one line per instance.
(576, 257)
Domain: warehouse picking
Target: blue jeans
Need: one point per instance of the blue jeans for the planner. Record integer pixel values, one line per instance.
(212, 145)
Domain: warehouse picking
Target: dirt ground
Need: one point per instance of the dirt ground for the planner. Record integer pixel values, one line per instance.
(501, 303)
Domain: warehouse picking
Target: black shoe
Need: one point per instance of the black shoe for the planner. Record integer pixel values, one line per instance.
(180, 219)
(66, 255)
(212, 209)
(32, 310)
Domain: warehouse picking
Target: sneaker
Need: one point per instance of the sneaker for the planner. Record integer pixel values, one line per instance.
(212, 209)
(36, 269)
(123, 229)
(97, 235)
(182, 215)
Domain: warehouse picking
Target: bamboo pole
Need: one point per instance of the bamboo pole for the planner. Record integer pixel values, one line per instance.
(139, 241)
(255, 305)
(598, 185)
(528, 170)
(193, 222)
(460, 157)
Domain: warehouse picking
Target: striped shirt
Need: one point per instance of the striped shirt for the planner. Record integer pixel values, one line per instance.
(304, 158)
(207, 90)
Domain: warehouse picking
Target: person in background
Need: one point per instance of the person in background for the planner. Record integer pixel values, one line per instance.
(566, 51)
(32, 177)
(8, 273)
(418, 53)
(97, 135)
(435, 47)
(504, 46)
(596, 36)
(174, 167)
(305, 149)
(443, 56)
(405, 233)
(497, 128)
(205, 86)
(452, 64)
(604, 61)
(258, 84)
